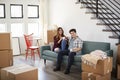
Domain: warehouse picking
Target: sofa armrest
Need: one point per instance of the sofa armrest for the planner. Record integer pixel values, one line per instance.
(42, 48)
(109, 53)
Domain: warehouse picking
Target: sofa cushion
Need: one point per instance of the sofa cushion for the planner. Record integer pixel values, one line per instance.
(50, 53)
(54, 55)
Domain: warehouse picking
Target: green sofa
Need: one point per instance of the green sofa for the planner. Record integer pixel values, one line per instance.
(88, 46)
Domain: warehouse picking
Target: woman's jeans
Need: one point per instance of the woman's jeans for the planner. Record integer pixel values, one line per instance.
(63, 45)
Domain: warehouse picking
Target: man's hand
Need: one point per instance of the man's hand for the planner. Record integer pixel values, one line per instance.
(76, 49)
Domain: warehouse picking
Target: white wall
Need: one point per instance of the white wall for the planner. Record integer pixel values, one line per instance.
(24, 20)
(67, 14)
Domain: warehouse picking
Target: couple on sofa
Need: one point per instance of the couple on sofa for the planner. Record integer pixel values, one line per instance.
(64, 46)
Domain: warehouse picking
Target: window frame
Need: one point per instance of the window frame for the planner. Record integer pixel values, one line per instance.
(1, 17)
(37, 16)
(16, 17)
(5, 27)
(23, 30)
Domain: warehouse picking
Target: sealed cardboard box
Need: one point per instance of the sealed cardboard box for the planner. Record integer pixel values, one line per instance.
(102, 67)
(5, 41)
(118, 54)
(6, 58)
(92, 76)
(118, 71)
(50, 35)
(0, 73)
(19, 72)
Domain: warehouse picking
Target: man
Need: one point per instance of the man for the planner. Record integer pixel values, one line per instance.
(75, 46)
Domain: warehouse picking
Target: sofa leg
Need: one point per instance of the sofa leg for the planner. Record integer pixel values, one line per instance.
(45, 61)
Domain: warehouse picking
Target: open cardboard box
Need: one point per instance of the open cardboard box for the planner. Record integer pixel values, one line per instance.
(103, 67)
(92, 76)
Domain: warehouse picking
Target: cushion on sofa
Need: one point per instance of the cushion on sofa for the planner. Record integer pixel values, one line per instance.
(49, 53)
(77, 58)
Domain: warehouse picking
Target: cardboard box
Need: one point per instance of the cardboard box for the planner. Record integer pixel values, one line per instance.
(118, 71)
(6, 58)
(5, 41)
(118, 54)
(0, 73)
(50, 35)
(103, 67)
(92, 76)
(19, 72)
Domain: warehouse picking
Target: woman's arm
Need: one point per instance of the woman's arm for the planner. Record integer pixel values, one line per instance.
(56, 41)
(59, 40)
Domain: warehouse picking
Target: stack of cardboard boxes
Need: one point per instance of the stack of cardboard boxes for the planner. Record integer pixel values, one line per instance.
(7, 70)
(102, 71)
(118, 62)
(6, 52)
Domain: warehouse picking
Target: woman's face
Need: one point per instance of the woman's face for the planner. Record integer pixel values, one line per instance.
(60, 31)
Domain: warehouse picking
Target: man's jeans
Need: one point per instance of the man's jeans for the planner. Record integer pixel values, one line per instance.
(70, 58)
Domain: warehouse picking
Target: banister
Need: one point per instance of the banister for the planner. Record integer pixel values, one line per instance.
(97, 8)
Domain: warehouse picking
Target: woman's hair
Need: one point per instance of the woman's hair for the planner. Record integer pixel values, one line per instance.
(58, 32)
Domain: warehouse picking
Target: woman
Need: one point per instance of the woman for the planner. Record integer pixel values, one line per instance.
(60, 42)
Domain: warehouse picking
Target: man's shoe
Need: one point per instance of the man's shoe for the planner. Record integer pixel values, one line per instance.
(67, 72)
(56, 69)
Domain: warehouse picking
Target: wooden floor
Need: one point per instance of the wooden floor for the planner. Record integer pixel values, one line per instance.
(46, 72)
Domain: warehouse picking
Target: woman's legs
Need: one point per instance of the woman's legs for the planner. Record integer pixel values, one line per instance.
(63, 44)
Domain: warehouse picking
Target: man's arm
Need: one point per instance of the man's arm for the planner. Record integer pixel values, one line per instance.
(76, 49)
(78, 46)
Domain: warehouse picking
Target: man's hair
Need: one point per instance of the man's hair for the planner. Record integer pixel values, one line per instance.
(72, 30)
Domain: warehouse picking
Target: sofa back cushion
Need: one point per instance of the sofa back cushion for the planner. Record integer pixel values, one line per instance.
(89, 46)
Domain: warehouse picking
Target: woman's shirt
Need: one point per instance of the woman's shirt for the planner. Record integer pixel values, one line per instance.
(56, 44)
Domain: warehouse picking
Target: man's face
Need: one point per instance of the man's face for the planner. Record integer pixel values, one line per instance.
(73, 34)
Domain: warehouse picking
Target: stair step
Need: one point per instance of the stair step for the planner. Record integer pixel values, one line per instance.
(98, 13)
(114, 37)
(77, 2)
(108, 24)
(89, 0)
(90, 3)
(108, 30)
(93, 7)
(109, 18)
(104, 18)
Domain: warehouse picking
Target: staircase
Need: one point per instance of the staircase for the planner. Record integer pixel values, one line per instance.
(107, 12)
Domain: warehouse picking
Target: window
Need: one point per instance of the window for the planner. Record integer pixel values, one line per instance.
(2, 28)
(34, 28)
(16, 10)
(17, 29)
(2, 10)
(33, 11)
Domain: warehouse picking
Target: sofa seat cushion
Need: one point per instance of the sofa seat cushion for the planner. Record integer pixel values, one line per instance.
(50, 53)
(54, 55)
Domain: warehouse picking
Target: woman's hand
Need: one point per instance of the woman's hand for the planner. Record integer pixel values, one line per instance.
(60, 40)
